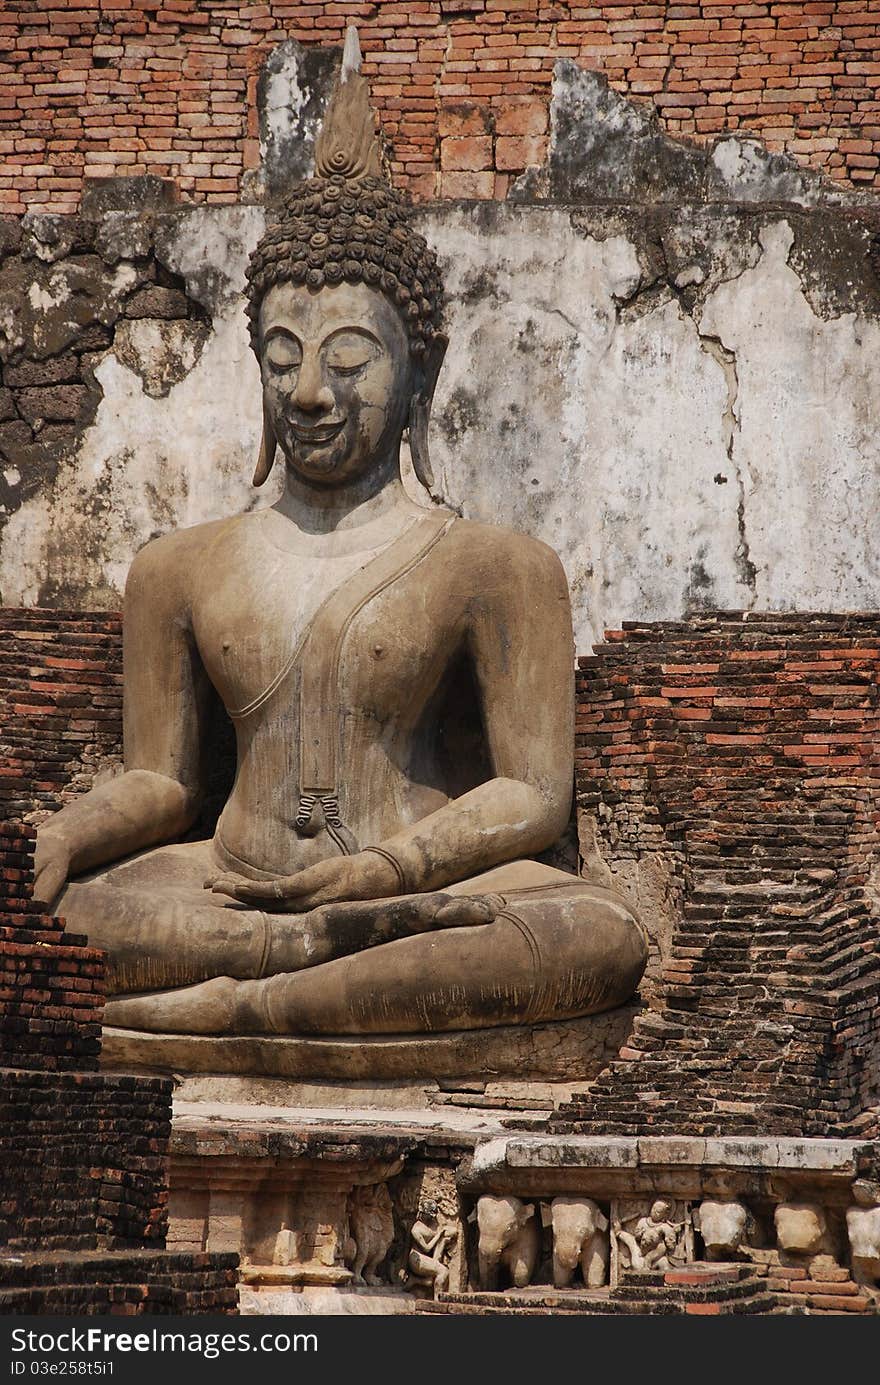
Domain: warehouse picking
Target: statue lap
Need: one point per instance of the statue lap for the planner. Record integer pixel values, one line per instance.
(558, 947)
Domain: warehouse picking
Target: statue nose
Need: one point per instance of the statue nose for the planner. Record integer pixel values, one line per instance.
(311, 393)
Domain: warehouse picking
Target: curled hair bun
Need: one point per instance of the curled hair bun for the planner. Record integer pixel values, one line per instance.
(336, 229)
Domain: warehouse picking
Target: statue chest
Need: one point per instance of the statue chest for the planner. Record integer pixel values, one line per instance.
(370, 637)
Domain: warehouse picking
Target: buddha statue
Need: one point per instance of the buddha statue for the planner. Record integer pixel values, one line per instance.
(400, 681)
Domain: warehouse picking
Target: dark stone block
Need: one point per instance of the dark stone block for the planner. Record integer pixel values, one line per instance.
(54, 402)
(156, 301)
(14, 437)
(57, 370)
(141, 194)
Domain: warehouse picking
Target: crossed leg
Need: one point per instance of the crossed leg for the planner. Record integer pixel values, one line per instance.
(161, 928)
(529, 943)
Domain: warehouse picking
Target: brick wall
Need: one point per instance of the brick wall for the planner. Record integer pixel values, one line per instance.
(61, 682)
(122, 1285)
(91, 88)
(744, 752)
(83, 1154)
(84, 1160)
(51, 983)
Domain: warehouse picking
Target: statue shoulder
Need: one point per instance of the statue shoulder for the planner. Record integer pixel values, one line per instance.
(174, 557)
(487, 544)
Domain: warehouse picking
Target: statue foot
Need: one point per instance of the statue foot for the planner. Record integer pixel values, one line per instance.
(208, 1008)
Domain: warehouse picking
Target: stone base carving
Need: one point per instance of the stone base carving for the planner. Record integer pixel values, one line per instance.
(384, 1210)
(780, 1206)
(567, 1050)
(302, 1221)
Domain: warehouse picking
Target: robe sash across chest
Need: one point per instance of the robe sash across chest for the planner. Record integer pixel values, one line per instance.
(317, 656)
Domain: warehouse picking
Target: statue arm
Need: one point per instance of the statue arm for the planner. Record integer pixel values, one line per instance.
(521, 644)
(156, 798)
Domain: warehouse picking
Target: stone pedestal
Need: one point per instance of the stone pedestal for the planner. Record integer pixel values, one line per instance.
(566, 1051)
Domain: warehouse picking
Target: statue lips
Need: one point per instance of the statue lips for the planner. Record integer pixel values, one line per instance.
(319, 434)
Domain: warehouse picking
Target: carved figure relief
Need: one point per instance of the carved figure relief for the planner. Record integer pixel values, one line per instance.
(371, 1223)
(655, 1236)
(431, 1241)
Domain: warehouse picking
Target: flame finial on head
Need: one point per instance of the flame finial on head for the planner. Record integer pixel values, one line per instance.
(347, 143)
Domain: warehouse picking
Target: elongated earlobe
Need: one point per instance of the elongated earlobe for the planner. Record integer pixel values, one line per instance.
(420, 412)
(268, 448)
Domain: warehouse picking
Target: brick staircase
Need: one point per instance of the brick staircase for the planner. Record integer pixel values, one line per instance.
(744, 753)
(699, 1290)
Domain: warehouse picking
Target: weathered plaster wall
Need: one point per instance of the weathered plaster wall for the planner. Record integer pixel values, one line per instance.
(169, 439)
(665, 362)
(706, 439)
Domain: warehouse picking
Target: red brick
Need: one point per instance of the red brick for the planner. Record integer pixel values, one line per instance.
(522, 115)
(469, 154)
(467, 185)
(517, 152)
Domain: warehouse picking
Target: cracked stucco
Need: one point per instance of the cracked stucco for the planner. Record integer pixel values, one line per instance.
(711, 450)
(173, 439)
(605, 147)
(675, 401)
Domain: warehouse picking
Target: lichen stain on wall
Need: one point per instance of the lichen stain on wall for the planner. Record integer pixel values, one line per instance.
(807, 446)
(577, 427)
(677, 453)
(173, 441)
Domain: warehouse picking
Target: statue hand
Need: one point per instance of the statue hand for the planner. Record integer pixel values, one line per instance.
(366, 875)
(51, 867)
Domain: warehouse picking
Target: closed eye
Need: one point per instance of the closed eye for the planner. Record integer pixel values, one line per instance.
(344, 361)
(348, 352)
(348, 369)
(283, 353)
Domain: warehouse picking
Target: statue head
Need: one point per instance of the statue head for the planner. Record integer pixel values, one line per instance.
(429, 1209)
(345, 308)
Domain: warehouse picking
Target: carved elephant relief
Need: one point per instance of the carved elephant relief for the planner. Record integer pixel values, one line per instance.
(802, 1228)
(509, 1240)
(726, 1226)
(580, 1237)
(863, 1231)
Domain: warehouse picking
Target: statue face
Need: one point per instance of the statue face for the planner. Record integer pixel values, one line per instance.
(337, 378)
